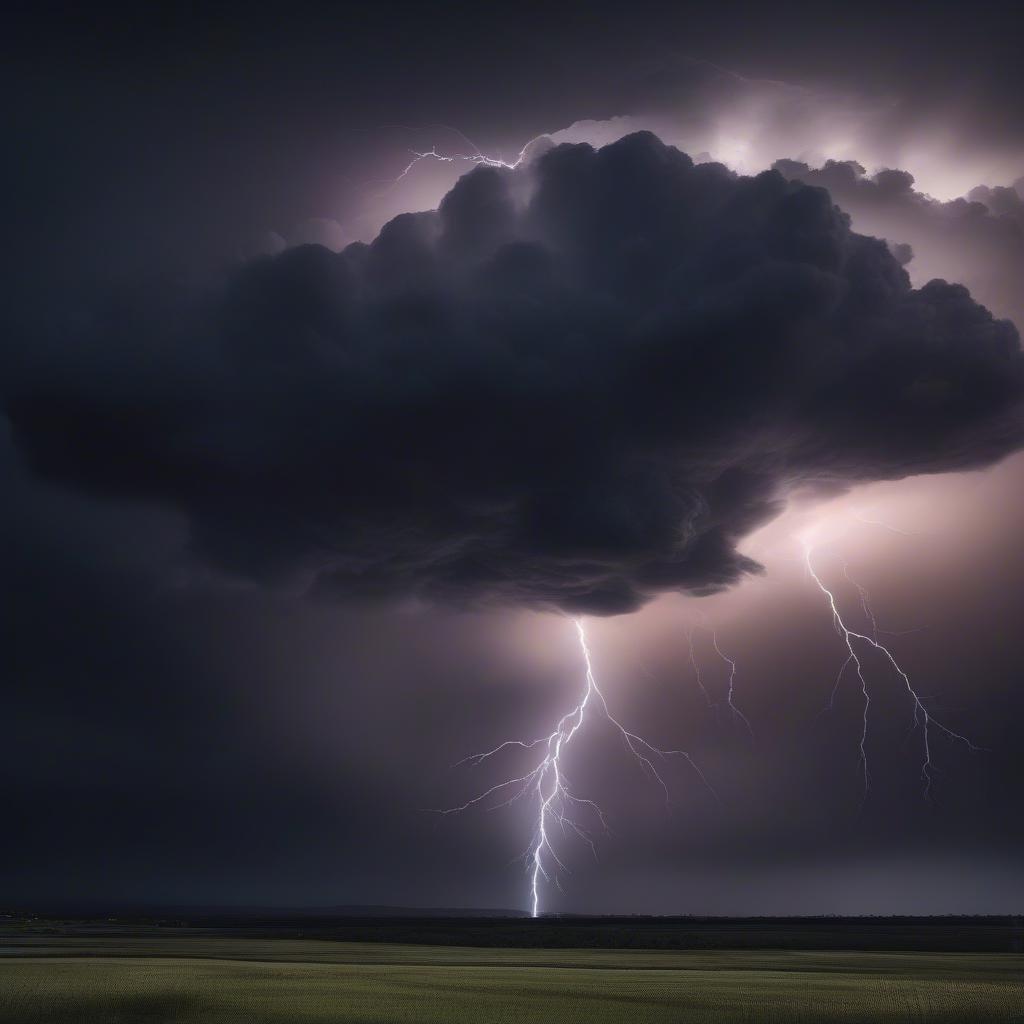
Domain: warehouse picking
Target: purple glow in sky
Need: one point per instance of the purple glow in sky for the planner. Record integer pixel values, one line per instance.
(315, 447)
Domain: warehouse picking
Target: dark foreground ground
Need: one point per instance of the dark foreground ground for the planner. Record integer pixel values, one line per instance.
(212, 968)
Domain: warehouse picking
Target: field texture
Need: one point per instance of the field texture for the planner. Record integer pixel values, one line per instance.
(217, 980)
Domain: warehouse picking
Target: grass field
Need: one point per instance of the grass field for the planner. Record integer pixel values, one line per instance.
(195, 980)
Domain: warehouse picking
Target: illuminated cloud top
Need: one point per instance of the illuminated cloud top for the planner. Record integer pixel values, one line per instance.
(977, 239)
(575, 385)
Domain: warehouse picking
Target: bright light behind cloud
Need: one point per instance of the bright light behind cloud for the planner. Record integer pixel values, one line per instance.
(748, 129)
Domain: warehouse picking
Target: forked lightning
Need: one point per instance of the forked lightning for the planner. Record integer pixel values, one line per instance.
(560, 812)
(857, 644)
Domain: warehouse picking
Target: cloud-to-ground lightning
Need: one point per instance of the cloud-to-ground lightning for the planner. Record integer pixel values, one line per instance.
(560, 812)
(857, 644)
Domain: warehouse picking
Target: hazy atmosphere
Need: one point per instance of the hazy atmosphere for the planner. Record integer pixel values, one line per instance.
(371, 376)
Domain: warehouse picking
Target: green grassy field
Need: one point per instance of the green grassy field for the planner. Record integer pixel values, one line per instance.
(218, 980)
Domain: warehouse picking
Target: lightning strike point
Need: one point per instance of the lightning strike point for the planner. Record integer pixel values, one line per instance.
(560, 812)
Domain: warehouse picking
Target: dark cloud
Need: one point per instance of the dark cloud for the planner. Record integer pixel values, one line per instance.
(574, 386)
(978, 239)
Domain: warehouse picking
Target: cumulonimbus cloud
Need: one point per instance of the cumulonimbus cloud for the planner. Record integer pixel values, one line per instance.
(575, 385)
(980, 237)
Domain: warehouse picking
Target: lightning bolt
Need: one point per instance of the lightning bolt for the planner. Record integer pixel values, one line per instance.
(698, 675)
(731, 692)
(560, 812)
(885, 526)
(856, 644)
(730, 696)
(475, 157)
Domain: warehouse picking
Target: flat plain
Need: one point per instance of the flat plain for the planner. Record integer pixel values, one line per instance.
(197, 979)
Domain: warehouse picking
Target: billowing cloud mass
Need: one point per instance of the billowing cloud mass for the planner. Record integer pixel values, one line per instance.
(575, 385)
(980, 238)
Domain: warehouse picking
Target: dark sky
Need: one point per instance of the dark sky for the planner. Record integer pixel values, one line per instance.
(289, 529)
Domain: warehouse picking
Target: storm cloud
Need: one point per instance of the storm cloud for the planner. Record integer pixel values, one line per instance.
(979, 238)
(575, 385)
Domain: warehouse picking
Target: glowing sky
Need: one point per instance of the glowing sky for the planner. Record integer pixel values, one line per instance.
(187, 728)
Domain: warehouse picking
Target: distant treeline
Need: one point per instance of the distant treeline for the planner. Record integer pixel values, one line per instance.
(950, 934)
